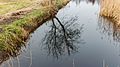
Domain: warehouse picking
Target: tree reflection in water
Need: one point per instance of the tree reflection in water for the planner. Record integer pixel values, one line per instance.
(91, 1)
(87, 1)
(76, 1)
(111, 28)
(61, 38)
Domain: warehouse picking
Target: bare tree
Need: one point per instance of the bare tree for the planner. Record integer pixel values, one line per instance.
(61, 38)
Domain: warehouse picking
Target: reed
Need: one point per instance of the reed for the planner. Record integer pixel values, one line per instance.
(111, 10)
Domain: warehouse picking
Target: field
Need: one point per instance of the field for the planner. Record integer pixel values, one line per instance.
(7, 6)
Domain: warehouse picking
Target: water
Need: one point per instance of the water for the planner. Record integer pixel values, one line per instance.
(96, 46)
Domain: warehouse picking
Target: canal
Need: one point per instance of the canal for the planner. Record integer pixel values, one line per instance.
(88, 40)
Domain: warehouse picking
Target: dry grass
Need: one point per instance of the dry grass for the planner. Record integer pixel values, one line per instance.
(13, 14)
(7, 6)
(111, 10)
(12, 10)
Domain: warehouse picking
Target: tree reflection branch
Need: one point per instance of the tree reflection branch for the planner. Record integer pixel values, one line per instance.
(61, 39)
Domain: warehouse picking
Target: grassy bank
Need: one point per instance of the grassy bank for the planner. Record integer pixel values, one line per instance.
(14, 35)
(111, 10)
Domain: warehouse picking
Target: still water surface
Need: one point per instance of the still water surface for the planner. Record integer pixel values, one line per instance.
(95, 40)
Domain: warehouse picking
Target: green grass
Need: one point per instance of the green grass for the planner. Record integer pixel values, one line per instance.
(13, 36)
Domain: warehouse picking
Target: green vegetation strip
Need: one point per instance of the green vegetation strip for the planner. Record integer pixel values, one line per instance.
(14, 35)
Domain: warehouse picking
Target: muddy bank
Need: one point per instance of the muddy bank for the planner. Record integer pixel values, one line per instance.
(14, 35)
(111, 10)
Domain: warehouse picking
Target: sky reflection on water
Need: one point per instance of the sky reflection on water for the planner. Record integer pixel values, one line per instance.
(100, 39)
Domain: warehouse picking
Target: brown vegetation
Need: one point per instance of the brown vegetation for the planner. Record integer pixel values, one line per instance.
(111, 10)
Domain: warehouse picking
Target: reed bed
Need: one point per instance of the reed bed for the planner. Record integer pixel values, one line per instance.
(111, 10)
